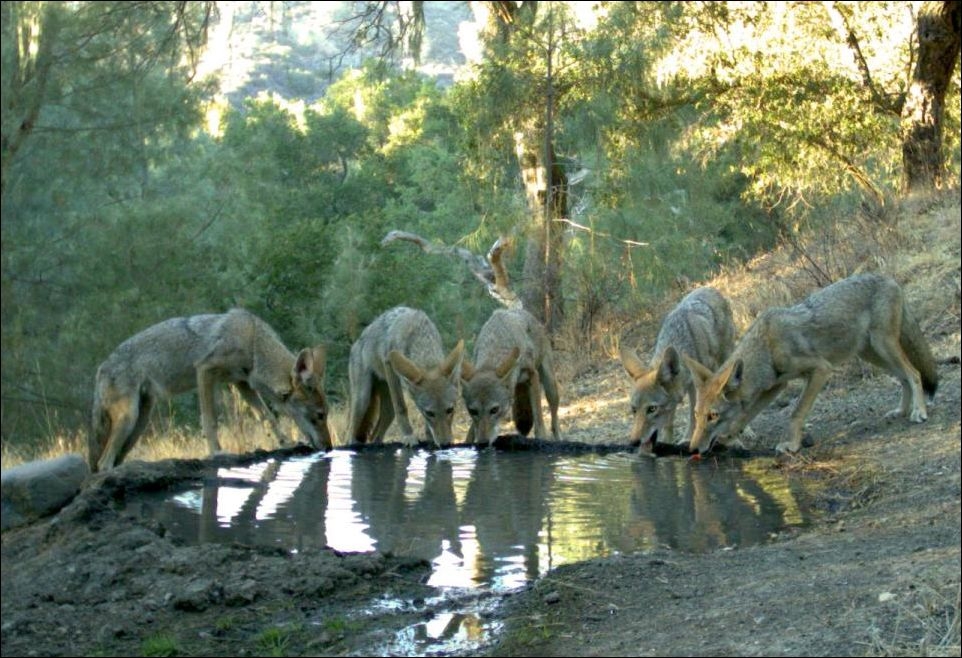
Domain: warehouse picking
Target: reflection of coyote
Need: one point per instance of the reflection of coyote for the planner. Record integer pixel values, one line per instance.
(863, 315)
(181, 354)
(512, 364)
(701, 327)
(402, 347)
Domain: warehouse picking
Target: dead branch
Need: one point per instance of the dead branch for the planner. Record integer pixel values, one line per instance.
(488, 270)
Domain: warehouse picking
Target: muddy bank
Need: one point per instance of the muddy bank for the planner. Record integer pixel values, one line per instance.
(97, 581)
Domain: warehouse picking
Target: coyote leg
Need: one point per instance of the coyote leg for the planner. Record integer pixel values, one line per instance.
(400, 408)
(206, 380)
(815, 384)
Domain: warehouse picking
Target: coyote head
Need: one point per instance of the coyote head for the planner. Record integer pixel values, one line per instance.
(720, 411)
(488, 395)
(434, 390)
(655, 396)
(306, 403)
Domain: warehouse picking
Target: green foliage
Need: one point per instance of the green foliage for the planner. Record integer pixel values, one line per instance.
(161, 644)
(273, 641)
(341, 625)
(88, 228)
(329, 184)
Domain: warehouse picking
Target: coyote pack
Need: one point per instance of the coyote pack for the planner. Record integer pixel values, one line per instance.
(864, 315)
(701, 327)
(401, 350)
(512, 364)
(201, 351)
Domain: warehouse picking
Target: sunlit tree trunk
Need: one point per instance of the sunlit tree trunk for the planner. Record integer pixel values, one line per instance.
(541, 291)
(938, 35)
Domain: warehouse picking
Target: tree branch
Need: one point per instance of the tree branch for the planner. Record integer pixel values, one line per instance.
(488, 270)
(890, 103)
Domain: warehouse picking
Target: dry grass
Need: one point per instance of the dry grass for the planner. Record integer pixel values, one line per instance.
(238, 432)
(931, 610)
(55, 446)
(918, 245)
(916, 242)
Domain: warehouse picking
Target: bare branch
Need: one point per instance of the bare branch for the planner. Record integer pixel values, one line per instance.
(382, 26)
(891, 103)
(488, 270)
(588, 229)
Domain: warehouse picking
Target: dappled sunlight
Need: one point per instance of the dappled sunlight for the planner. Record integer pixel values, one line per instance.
(593, 406)
(404, 128)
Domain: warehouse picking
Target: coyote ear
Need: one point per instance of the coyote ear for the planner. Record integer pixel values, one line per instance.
(632, 364)
(508, 364)
(670, 365)
(453, 360)
(698, 371)
(467, 370)
(310, 363)
(733, 376)
(405, 367)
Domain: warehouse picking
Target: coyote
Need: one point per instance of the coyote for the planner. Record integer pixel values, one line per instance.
(200, 351)
(862, 315)
(513, 364)
(701, 327)
(402, 348)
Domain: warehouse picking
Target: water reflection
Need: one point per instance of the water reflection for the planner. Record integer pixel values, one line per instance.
(484, 518)
(446, 634)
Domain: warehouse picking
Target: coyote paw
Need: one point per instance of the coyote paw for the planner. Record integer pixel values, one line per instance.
(748, 433)
(786, 448)
(893, 413)
(647, 449)
(914, 416)
(735, 443)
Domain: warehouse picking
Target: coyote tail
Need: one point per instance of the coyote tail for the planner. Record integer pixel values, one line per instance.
(100, 426)
(918, 352)
(521, 410)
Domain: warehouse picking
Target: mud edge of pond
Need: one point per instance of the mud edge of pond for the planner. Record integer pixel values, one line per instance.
(518, 443)
(104, 489)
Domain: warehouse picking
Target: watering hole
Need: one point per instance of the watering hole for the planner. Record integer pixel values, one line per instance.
(488, 521)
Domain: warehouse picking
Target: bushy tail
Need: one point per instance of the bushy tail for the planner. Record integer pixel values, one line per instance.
(919, 353)
(100, 425)
(521, 409)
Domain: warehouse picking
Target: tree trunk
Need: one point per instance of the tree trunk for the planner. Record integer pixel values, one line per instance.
(26, 27)
(541, 286)
(939, 40)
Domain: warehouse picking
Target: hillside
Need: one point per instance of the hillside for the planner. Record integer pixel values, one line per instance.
(876, 574)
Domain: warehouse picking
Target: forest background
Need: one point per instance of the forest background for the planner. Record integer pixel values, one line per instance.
(162, 159)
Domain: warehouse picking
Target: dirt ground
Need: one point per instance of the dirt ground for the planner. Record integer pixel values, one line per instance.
(877, 574)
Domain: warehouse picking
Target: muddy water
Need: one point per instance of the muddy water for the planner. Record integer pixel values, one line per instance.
(488, 521)
(485, 519)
